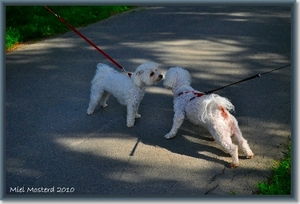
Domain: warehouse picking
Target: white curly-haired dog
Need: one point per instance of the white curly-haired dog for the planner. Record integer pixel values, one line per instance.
(208, 110)
(129, 91)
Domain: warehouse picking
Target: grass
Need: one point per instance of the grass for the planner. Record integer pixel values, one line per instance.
(280, 182)
(26, 23)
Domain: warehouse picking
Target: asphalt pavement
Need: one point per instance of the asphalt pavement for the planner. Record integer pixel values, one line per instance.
(54, 149)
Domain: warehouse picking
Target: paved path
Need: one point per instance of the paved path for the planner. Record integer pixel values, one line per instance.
(51, 142)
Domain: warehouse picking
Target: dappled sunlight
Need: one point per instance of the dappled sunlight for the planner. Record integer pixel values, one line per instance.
(30, 56)
(15, 166)
(23, 171)
(271, 58)
(259, 17)
(143, 163)
(262, 16)
(202, 50)
(234, 43)
(216, 77)
(235, 19)
(117, 148)
(35, 48)
(283, 130)
(196, 139)
(274, 134)
(275, 129)
(158, 90)
(230, 44)
(60, 42)
(48, 67)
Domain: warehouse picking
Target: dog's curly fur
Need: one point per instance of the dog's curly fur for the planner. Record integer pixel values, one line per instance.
(129, 91)
(210, 111)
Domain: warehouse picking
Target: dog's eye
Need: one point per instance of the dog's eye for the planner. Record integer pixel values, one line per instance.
(151, 74)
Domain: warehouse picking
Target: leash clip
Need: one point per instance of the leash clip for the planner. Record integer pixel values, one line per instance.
(124, 70)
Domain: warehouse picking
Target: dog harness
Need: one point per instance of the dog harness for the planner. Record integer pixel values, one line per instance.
(197, 94)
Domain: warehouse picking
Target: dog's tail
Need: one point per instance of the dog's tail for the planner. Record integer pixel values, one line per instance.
(101, 71)
(215, 102)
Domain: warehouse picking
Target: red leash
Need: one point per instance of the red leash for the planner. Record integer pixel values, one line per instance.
(90, 42)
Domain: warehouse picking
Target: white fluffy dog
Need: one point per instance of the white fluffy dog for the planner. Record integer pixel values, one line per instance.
(210, 111)
(129, 91)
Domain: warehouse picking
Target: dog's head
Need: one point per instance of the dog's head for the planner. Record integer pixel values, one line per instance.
(176, 77)
(146, 74)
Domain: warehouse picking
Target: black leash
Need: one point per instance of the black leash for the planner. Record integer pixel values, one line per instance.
(252, 77)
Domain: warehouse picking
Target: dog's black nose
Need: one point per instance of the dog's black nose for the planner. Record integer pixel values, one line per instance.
(160, 76)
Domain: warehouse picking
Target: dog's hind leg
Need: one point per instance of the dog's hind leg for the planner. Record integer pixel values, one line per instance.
(94, 100)
(238, 138)
(222, 135)
(232, 149)
(104, 98)
(177, 122)
(137, 115)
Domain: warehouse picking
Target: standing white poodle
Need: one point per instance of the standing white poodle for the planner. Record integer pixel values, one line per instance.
(210, 111)
(129, 91)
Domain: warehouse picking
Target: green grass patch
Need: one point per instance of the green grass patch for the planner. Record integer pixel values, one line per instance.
(280, 183)
(26, 23)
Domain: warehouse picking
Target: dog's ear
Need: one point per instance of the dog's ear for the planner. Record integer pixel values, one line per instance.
(139, 72)
(137, 77)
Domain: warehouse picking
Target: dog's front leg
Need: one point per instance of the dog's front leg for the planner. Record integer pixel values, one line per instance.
(177, 122)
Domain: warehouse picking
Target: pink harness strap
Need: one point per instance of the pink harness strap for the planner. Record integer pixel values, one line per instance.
(197, 94)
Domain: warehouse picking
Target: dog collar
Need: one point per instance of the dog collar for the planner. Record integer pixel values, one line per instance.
(197, 94)
(183, 93)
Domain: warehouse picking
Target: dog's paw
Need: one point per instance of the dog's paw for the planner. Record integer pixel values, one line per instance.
(89, 112)
(250, 156)
(137, 115)
(232, 165)
(169, 136)
(104, 105)
(130, 124)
